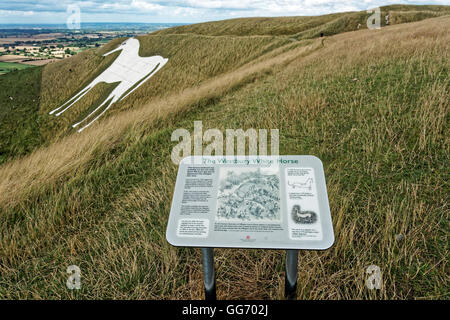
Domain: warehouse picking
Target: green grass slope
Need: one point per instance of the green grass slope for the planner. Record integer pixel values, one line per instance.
(373, 105)
(19, 101)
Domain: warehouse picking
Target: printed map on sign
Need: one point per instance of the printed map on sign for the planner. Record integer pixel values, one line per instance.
(249, 194)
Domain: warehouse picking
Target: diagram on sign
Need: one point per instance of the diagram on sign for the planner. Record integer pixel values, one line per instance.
(303, 206)
(249, 194)
(301, 185)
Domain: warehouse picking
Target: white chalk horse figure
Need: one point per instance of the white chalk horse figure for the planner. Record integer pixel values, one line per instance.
(129, 69)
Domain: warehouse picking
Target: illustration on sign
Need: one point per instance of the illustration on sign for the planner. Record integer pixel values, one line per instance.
(306, 185)
(301, 197)
(248, 194)
(303, 217)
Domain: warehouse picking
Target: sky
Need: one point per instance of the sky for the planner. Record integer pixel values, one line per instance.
(176, 11)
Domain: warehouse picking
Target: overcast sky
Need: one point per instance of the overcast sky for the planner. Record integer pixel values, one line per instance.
(55, 11)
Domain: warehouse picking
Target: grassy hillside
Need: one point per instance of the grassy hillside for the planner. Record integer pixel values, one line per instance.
(309, 26)
(373, 105)
(196, 54)
(19, 101)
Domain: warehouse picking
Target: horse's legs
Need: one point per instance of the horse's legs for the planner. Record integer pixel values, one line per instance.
(75, 96)
(75, 101)
(90, 114)
(104, 110)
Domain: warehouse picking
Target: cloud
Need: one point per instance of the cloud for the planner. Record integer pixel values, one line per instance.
(183, 10)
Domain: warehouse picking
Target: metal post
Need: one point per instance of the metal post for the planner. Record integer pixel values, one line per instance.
(290, 283)
(208, 273)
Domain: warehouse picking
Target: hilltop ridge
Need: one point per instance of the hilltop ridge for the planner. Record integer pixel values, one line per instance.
(306, 27)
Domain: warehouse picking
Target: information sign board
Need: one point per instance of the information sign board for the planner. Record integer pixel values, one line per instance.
(273, 202)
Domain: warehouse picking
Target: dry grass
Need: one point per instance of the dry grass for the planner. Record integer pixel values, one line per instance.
(101, 199)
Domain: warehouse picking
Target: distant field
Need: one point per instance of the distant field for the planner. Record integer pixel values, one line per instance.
(18, 62)
(36, 38)
(39, 62)
(6, 67)
(12, 58)
(23, 61)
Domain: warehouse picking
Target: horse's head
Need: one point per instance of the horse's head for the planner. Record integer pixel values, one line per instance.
(127, 45)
